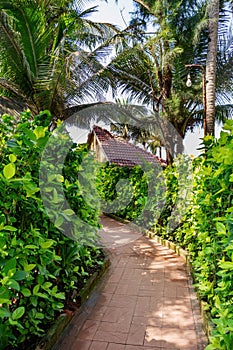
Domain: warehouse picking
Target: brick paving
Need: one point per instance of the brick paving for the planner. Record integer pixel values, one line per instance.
(144, 302)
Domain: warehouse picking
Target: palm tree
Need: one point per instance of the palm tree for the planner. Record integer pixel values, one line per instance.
(211, 64)
(51, 54)
(216, 60)
(125, 127)
(153, 71)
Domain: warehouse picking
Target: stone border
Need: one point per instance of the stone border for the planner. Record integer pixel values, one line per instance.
(201, 317)
(53, 334)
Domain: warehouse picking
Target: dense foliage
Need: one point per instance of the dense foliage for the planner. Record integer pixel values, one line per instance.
(209, 234)
(51, 53)
(109, 177)
(41, 269)
(136, 194)
(199, 220)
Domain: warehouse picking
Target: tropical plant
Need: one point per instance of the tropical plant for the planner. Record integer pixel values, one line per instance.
(125, 128)
(211, 64)
(41, 269)
(51, 54)
(153, 71)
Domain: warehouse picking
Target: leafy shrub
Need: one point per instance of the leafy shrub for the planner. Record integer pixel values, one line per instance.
(151, 194)
(211, 226)
(201, 221)
(206, 231)
(109, 176)
(136, 194)
(40, 267)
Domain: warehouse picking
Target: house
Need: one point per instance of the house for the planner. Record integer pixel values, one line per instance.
(109, 148)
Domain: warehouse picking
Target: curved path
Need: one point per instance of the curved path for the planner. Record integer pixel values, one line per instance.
(145, 301)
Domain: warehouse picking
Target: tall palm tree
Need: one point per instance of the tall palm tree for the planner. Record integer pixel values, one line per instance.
(153, 70)
(51, 53)
(211, 64)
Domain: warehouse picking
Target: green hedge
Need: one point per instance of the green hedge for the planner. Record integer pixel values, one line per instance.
(209, 234)
(200, 220)
(41, 269)
(109, 176)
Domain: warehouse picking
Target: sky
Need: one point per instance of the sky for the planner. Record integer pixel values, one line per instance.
(119, 14)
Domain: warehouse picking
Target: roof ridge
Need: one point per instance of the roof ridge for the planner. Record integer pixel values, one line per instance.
(97, 128)
(131, 154)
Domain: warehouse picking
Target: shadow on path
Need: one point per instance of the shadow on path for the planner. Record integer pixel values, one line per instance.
(144, 302)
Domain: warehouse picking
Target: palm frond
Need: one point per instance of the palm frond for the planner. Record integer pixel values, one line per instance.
(13, 88)
(11, 49)
(224, 112)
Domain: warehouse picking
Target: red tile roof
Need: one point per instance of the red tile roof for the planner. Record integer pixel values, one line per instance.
(121, 152)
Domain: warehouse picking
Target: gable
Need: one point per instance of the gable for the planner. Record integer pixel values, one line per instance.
(118, 151)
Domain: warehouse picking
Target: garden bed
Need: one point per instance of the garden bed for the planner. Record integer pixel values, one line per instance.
(49, 340)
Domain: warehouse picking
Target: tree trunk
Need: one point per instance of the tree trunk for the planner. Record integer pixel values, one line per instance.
(213, 16)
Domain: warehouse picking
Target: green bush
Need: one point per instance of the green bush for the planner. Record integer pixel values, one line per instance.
(206, 230)
(198, 217)
(211, 228)
(41, 269)
(151, 194)
(109, 176)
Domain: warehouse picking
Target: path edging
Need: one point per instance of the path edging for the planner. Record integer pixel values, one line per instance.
(55, 331)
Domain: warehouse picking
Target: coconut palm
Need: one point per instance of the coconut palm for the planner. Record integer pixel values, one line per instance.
(153, 71)
(216, 60)
(51, 53)
(211, 64)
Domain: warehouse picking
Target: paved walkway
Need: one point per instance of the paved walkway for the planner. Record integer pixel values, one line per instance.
(144, 302)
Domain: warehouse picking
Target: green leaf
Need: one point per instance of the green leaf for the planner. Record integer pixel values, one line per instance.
(42, 295)
(18, 313)
(20, 275)
(10, 266)
(60, 178)
(226, 265)
(221, 228)
(31, 246)
(39, 132)
(36, 289)
(59, 221)
(46, 285)
(60, 296)
(4, 295)
(68, 212)
(210, 347)
(12, 322)
(47, 244)
(26, 292)
(9, 171)
(30, 188)
(12, 158)
(30, 134)
(29, 267)
(9, 228)
(13, 284)
(4, 312)
(34, 301)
